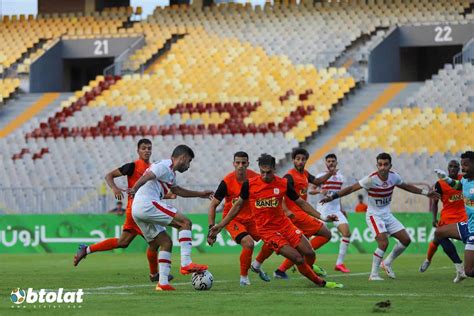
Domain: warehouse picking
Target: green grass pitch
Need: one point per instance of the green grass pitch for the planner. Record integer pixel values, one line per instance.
(118, 284)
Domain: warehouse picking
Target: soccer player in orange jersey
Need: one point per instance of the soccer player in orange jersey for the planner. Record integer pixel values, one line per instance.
(300, 178)
(133, 171)
(265, 194)
(242, 228)
(453, 212)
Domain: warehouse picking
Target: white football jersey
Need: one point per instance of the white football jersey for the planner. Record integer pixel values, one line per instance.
(380, 192)
(333, 184)
(155, 190)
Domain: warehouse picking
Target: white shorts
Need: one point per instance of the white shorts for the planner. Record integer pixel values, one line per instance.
(341, 218)
(386, 223)
(152, 217)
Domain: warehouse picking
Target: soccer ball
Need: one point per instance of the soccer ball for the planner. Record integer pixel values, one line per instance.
(202, 280)
(17, 296)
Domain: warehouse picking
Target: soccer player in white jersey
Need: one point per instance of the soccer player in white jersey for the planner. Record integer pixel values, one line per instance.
(380, 186)
(152, 215)
(332, 185)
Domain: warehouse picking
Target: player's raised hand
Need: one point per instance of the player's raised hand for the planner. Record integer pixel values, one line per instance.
(441, 174)
(207, 194)
(332, 218)
(433, 194)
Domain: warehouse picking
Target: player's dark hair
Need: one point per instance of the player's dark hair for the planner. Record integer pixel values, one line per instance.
(143, 141)
(468, 155)
(267, 161)
(241, 154)
(183, 150)
(330, 156)
(299, 151)
(360, 197)
(384, 156)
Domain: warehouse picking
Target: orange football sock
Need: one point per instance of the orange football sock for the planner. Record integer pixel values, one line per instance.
(152, 256)
(431, 250)
(245, 261)
(286, 264)
(104, 245)
(318, 241)
(308, 272)
(264, 253)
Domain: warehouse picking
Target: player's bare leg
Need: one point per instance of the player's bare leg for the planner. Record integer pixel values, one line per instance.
(321, 237)
(108, 244)
(247, 244)
(442, 234)
(382, 244)
(344, 244)
(256, 265)
(403, 242)
(184, 225)
(163, 241)
(301, 256)
(469, 262)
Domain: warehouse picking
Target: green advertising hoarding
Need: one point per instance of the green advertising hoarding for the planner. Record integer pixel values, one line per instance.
(62, 233)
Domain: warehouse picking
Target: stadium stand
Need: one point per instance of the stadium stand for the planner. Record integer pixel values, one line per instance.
(8, 86)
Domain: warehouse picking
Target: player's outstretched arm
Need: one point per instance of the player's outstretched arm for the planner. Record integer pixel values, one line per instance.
(207, 194)
(346, 191)
(109, 179)
(456, 184)
(305, 206)
(413, 189)
(324, 178)
(147, 176)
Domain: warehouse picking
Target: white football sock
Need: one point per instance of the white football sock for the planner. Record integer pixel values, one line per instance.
(185, 241)
(342, 250)
(397, 250)
(377, 259)
(164, 266)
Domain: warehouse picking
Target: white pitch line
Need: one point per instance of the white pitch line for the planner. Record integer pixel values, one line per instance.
(114, 287)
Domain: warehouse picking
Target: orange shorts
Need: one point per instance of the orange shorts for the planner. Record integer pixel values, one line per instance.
(288, 235)
(238, 230)
(445, 220)
(130, 226)
(307, 223)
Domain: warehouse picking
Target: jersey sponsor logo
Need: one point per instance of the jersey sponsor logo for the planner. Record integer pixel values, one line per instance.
(276, 191)
(383, 201)
(456, 197)
(468, 202)
(303, 191)
(269, 202)
(234, 200)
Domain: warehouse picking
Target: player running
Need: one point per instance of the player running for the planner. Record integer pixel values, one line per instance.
(466, 185)
(453, 212)
(334, 184)
(133, 171)
(265, 193)
(380, 186)
(242, 228)
(152, 215)
(299, 178)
